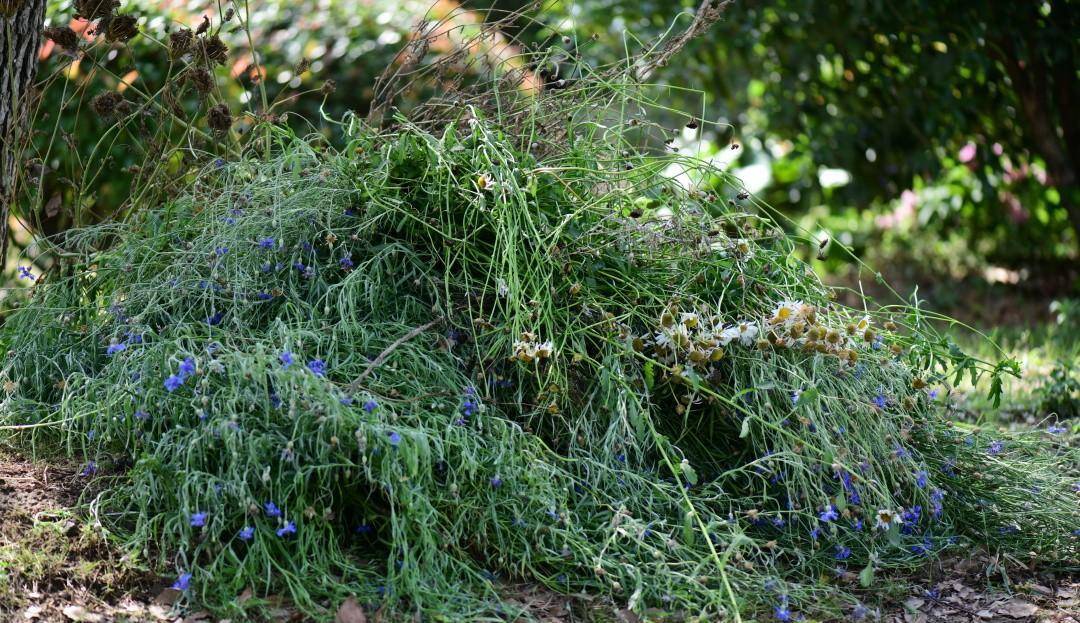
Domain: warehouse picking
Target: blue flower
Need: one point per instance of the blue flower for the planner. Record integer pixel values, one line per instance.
(267, 243)
(198, 520)
(829, 514)
(182, 583)
(395, 438)
(317, 366)
(216, 319)
(115, 347)
(173, 382)
(496, 482)
(272, 510)
(89, 470)
(920, 478)
(370, 405)
(187, 367)
(860, 612)
(221, 251)
(880, 401)
(346, 263)
(795, 396)
(263, 296)
(842, 553)
(24, 273)
(1055, 429)
(287, 529)
(936, 497)
(933, 396)
(783, 613)
(923, 548)
(247, 533)
(995, 448)
(286, 359)
(141, 415)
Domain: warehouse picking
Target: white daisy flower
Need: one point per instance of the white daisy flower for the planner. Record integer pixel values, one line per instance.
(747, 332)
(886, 518)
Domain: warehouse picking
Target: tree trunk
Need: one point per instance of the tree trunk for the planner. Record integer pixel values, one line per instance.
(20, 40)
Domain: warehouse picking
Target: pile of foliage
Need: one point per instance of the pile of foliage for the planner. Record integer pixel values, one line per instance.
(501, 339)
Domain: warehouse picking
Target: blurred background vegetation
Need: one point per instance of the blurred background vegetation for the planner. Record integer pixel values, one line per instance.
(937, 139)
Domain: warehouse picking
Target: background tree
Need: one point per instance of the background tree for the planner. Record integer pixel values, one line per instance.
(896, 95)
(20, 37)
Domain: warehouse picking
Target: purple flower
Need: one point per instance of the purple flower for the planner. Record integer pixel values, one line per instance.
(272, 510)
(783, 613)
(182, 583)
(829, 514)
(317, 366)
(395, 438)
(370, 405)
(1055, 429)
(115, 347)
(198, 520)
(995, 448)
(221, 251)
(346, 263)
(141, 415)
(933, 396)
(89, 470)
(286, 359)
(267, 243)
(287, 529)
(173, 382)
(24, 273)
(496, 482)
(842, 553)
(860, 612)
(247, 533)
(187, 367)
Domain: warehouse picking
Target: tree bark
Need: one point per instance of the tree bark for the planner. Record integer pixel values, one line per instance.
(20, 39)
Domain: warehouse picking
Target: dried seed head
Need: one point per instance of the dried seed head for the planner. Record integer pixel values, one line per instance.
(63, 37)
(219, 119)
(201, 79)
(328, 87)
(95, 9)
(214, 50)
(122, 28)
(110, 104)
(180, 42)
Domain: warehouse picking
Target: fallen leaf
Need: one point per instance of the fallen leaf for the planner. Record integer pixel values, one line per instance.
(52, 208)
(350, 612)
(82, 615)
(32, 612)
(984, 614)
(1018, 608)
(913, 603)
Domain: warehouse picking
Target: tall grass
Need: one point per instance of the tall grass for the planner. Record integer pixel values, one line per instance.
(499, 340)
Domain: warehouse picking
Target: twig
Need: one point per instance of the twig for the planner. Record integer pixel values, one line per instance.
(389, 349)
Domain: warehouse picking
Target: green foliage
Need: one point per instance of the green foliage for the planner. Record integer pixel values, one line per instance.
(459, 352)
